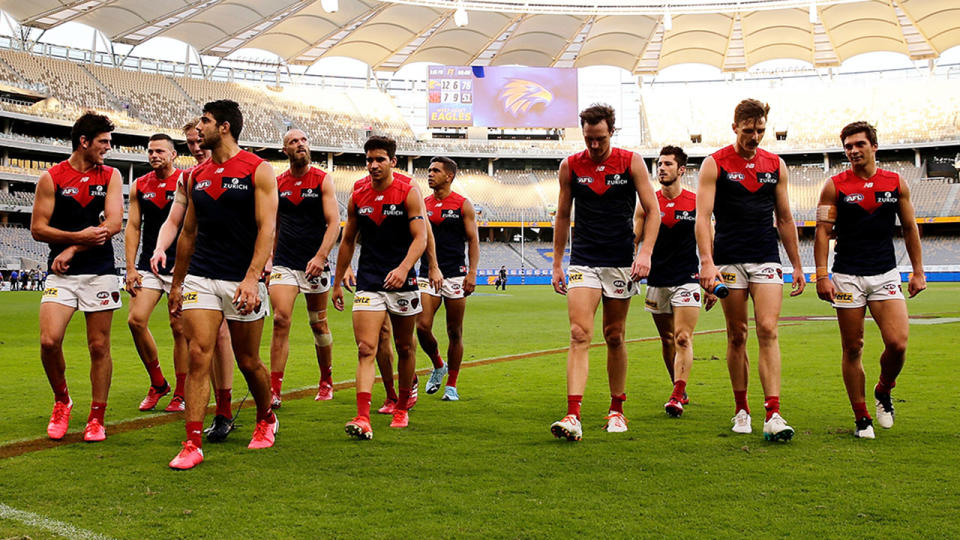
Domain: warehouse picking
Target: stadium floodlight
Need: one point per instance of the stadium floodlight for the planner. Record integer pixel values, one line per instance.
(667, 20)
(330, 6)
(460, 16)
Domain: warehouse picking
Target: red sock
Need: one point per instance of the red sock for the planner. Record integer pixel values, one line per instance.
(178, 390)
(437, 361)
(266, 415)
(195, 433)
(884, 386)
(772, 405)
(156, 374)
(223, 402)
(573, 405)
(860, 410)
(276, 381)
(740, 396)
(391, 392)
(616, 403)
(326, 374)
(679, 388)
(363, 404)
(452, 377)
(404, 398)
(97, 410)
(60, 392)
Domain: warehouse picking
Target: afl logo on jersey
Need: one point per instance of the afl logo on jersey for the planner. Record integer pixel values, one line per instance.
(735, 176)
(286, 193)
(853, 198)
(584, 180)
(202, 185)
(149, 196)
(70, 191)
(365, 211)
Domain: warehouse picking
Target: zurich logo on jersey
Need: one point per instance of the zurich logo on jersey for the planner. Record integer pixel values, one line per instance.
(886, 197)
(768, 178)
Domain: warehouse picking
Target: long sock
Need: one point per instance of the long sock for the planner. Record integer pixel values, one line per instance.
(437, 361)
(860, 410)
(156, 374)
(276, 381)
(266, 415)
(363, 404)
(573, 405)
(740, 396)
(97, 410)
(178, 389)
(391, 392)
(616, 403)
(772, 405)
(195, 433)
(60, 392)
(326, 374)
(224, 396)
(452, 377)
(679, 388)
(884, 386)
(404, 400)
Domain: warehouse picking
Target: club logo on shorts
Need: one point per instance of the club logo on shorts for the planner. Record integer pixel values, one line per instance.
(190, 298)
(103, 294)
(728, 277)
(51, 292)
(892, 288)
(843, 298)
(116, 296)
(780, 273)
(650, 303)
(415, 302)
(696, 296)
(767, 272)
(403, 302)
(619, 283)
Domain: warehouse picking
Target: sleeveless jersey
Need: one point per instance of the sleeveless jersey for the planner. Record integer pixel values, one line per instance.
(449, 235)
(866, 220)
(385, 230)
(224, 201)
(301, 222)
(743, 207)
(397, 177)
(155, 198)
(79, 202)
(674, 260)
(604, 198)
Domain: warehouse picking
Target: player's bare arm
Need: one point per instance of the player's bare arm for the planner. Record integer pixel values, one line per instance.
(171, 225)
(418, 230)
(706, 192)
(473, 247)
(788, 231)
(651, 224)
(911, 240)
(348, 244)
(434, 275)
(131, 241)
(40, 227)
(826, 217)
(638, 217)
(561, 227)
(185, 247)
(331, 214)
(247, 296)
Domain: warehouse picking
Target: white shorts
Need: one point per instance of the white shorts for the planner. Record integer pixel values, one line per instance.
(855, 291)
(283, 275)
(217, 294)
(397, 302)
(160, 282)
(86, 292)
(452, 287)
(614, 281)
(738, 276)
(664, 299)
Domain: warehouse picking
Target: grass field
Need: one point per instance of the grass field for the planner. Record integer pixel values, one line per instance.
(487, 466)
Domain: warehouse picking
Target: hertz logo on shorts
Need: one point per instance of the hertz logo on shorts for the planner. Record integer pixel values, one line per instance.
(275, 275)
(51, 292)
(362, 300)
(729, 277)
(576, 276)
(843, 298)
(190, 298)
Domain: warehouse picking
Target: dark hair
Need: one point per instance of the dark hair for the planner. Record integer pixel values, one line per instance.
(225, 110)
(448, 164)
(750, 109)
(595, 113)
(90, 125)
(678, 154)
(163, 137)
(381, 142)
(859, 127)
(191, 125)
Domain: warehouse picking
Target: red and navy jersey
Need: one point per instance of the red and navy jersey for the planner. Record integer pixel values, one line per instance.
(674, 260)
(604, 200)
(384, 228)
(79, 202)
(397, 177)
(743, 207)
(224, 202)
(449, 234)
(301, 222)
(155, 197)
(866, 220)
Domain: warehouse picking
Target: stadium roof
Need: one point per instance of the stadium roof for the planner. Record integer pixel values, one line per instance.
(641, 36)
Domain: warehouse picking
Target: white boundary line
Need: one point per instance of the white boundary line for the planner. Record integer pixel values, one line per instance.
(57, 527)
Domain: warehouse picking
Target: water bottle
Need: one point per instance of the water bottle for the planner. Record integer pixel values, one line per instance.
(720, 290)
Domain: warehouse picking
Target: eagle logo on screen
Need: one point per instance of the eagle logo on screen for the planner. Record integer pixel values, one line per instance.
(520, 95)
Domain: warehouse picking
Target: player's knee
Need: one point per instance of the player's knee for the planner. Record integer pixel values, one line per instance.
(176, 326)
(137, 323)
(50, 344)
(737, 336)
(683, 340)
(896, 346)
(406, 350)
(99, 347)
(248, 363)
(454, 333)
(579, 335)
(853, 348)
(366, 349)
(613, 335)
(424, 327)
(767, 331)
(281, 320)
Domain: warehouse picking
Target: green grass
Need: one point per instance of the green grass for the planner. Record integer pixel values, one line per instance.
(487, 466)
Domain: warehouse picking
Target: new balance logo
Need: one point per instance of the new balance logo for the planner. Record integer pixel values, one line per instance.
(85, 178)
(379, 198)
(218, 171)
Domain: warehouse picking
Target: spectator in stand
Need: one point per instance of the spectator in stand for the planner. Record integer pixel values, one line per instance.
(14, 280)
